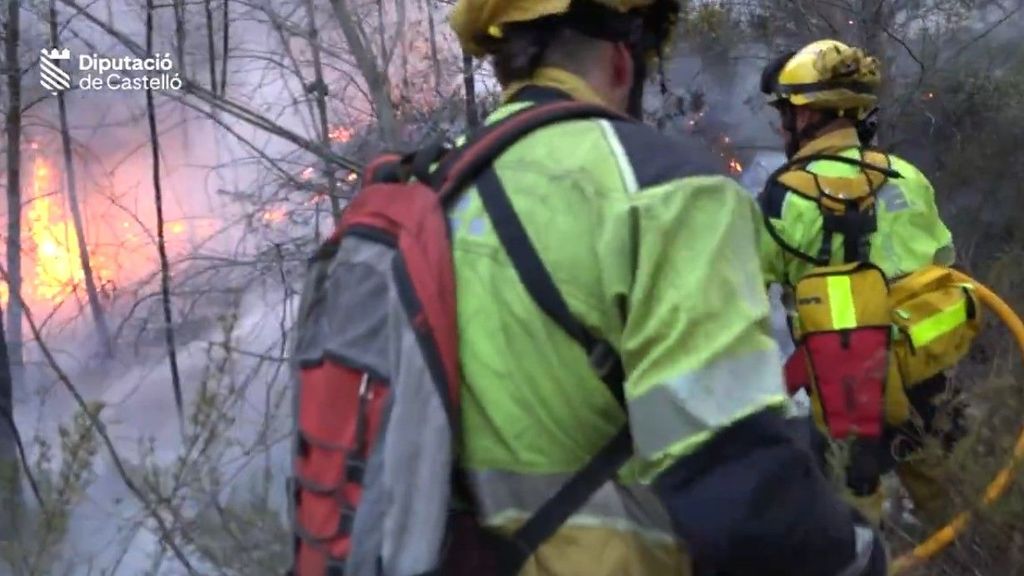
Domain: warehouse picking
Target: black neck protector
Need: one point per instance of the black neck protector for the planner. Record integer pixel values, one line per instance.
(635, 107)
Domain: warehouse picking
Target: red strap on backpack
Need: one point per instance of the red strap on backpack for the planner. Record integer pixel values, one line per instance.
(797, 374)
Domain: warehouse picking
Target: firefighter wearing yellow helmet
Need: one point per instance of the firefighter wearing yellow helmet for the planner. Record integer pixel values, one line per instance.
(658, 259)
(826, 97)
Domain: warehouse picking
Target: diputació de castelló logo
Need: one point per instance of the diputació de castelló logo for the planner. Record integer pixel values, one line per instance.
(95, 72)
(51, 76)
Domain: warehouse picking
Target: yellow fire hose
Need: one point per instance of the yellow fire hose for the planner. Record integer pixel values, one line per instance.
(995, 490)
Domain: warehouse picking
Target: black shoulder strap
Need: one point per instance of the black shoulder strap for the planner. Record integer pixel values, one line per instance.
(474, 163)
(602, 466)
(773, 180)
(537, 279)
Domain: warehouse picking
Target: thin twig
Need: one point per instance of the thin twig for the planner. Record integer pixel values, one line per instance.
(9, 419)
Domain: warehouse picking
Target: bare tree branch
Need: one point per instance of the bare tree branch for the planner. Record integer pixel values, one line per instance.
(235, 109)
(165, 272)
(375, 76)
(102, 330)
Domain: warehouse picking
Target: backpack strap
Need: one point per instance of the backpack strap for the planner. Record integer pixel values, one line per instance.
(466, 162)
(473, 163)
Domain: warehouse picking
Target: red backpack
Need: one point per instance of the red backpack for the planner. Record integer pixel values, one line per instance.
(375, 487)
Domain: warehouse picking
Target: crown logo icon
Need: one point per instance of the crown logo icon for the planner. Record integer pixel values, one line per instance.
(54, 54)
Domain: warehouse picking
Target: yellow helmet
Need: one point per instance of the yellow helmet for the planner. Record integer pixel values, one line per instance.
(826, 74)
(476, 21)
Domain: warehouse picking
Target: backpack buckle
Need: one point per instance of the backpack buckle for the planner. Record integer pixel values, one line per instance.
(355, 467)
(603, 358)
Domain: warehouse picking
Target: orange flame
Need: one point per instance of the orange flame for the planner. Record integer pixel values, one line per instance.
(53, 240)
(339, 134)
(274, 215)
(53, 262)
(119, 251)
(735, 167)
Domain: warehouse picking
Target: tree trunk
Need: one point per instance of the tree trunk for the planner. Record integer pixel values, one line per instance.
(179, 34)
(434, 56)
(224, 48)
(211, 57)
(12, 63)
(10, 356)
(10, 480)
(377, 81)
(320, 92)
(179, 41)
(102, 330)
(469, 83)
(165, 268)
(382, 32)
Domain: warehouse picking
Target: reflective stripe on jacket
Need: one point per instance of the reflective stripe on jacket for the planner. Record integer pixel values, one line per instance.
(661, 263)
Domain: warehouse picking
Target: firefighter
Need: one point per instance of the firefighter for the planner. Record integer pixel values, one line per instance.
(825, 95)
(659, 258)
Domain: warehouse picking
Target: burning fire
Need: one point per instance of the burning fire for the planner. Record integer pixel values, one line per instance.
(339, 134)
(52, 264)
(274, 215)
(53, 239)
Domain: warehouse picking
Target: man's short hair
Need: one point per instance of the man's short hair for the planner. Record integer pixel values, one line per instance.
(527, 47)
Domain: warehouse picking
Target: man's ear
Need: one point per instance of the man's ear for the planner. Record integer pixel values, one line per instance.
(622, 67)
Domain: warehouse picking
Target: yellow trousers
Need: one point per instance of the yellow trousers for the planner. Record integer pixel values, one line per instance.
(922, 477)
(921, 469)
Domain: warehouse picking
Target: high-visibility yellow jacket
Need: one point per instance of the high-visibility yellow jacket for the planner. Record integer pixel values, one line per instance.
(910, 234)
(661, 262)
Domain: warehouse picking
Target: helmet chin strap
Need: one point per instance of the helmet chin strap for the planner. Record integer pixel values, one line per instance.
(788, 114)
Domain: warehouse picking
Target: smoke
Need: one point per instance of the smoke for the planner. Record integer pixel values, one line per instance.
(239, 226)
(229, 299)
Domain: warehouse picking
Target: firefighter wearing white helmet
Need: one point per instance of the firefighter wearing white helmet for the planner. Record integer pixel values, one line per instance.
(826, 97)
(657, 258)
